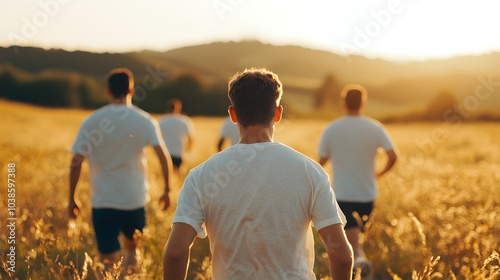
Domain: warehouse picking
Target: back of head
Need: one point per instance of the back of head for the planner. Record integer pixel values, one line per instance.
(174, 105)
(255, 93)
(120, 82)
(354, 96)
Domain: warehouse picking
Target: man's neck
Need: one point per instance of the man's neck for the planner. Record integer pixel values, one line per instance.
(352, 113)
(122, 101)
(256, 134)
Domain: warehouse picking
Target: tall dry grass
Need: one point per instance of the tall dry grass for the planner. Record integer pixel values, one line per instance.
(436, 216)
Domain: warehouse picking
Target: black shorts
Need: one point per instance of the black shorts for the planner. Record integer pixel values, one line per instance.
(176, 161)
(363, 210)
(108, 223)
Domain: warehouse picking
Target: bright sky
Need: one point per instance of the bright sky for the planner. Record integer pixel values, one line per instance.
(390, 29)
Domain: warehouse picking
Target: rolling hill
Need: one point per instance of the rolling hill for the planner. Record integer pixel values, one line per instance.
(393, 87)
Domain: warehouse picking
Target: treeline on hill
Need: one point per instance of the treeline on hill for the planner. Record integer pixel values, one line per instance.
(68, 89)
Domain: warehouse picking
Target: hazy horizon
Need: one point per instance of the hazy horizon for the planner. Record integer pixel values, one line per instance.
(394, 30)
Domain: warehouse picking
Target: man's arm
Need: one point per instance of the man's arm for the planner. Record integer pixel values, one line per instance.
(166, 168)
(74, 176)
(391, 160)
(176, 252)
(323, 160)
(339, 251)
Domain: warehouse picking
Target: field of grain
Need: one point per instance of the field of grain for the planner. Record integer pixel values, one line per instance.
(436, 216)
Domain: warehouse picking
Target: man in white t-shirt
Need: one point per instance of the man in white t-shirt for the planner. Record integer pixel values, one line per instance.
(256, 200)
(229, 130)
(351, 143)
(113, 139)
(177, 131)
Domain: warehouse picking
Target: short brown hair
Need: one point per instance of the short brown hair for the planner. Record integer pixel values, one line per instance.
(120, 82)
(354, 96)
(255, 94)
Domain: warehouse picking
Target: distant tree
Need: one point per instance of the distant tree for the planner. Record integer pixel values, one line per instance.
(188, 88)
(92, 93)
(50, 88)
(443, 101)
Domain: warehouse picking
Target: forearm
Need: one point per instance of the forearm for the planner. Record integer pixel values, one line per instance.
(341, 270)
(391, 160)
(339, 251)
(175, 268)
(166, 166)
(166, 169)
(176, 252)
(74, 175)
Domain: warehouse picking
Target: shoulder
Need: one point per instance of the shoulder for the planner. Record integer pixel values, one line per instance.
(141, 112)
(97, 115)
(373, 123)
(142, 117)
(334, 125)
(293, 156)
(371, 120)
(185, 119)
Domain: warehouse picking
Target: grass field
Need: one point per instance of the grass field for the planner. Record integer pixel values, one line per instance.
(436, 216)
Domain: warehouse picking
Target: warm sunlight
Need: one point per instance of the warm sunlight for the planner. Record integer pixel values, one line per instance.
(391, 29)
(362, 140)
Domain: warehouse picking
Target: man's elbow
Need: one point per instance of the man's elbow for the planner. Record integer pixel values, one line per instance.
(344, 260)
(174, 254)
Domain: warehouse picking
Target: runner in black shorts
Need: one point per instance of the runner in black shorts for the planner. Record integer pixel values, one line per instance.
(118, 173)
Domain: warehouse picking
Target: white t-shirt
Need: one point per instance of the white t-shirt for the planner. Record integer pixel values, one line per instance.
(351, 142)
(113, 139)
(230, 130)
(257, 202)
(174, 129)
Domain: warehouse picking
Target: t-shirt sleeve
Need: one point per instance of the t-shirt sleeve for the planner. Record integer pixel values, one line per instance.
(189, 208)
(153, 133)
(323, 149)
(385, 140)
(82, 145)
(325, 209)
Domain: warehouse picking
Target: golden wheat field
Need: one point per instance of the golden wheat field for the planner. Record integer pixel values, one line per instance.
(436, 216)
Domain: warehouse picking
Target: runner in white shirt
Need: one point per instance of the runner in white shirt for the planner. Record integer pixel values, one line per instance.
(177, 131)
(229, 130)
(113, 139)
(256, 200)
(351, 143)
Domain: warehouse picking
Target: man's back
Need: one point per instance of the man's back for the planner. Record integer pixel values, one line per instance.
(175, 128)
(352, 143)
(113, 139)
(258, 217)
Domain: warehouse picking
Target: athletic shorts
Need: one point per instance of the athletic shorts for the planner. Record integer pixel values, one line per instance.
(363, 210)
(176, 161)
(108, 223)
